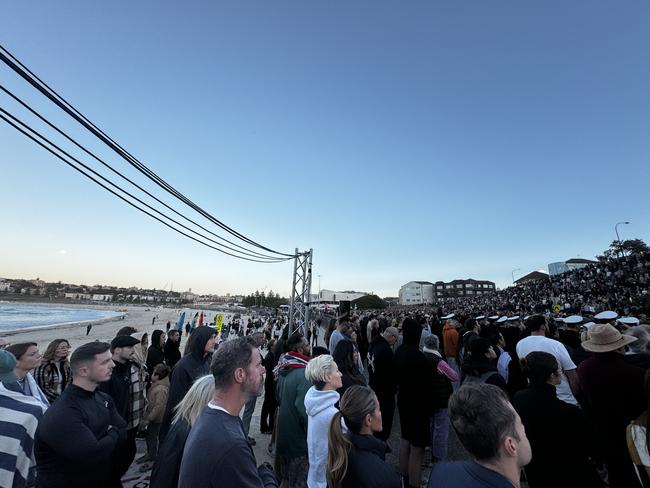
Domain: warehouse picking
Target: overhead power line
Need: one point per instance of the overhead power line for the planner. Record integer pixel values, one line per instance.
(53, 96)
(246, 251)
(48, 145)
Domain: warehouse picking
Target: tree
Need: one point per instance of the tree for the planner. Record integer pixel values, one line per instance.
(629, 247)
(369, 301)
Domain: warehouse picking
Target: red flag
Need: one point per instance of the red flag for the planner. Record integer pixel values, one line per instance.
(201, 319)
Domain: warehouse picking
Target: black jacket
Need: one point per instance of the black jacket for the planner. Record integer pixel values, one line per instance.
(172, 352)
(118, 388)
(380, 367)
(168, 463)
(560, 437)
(441, 388)
(191, 367)
(414, 376)
(155, 353)
(74, 443)
(367, 466)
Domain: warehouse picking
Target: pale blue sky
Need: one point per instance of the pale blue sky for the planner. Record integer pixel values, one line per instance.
(402, 141)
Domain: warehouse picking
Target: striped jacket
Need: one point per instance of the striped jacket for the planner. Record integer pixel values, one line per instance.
(48, 377)
(19, 417)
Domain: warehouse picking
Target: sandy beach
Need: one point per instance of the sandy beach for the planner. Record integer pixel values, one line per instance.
(102, 330)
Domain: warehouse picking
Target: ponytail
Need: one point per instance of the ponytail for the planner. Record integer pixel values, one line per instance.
(357, 402)
(337, 454)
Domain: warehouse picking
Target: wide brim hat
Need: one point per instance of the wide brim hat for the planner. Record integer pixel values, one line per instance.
(606, 338)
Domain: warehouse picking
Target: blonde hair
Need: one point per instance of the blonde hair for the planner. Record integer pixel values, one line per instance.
(195, 400)
(356, 404)
(318, 369)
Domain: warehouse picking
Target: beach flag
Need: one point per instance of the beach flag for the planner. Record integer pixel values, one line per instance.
(181, 320)
(218, 322)
(201, 319)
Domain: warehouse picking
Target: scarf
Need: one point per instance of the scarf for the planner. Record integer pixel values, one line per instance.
(290, 360)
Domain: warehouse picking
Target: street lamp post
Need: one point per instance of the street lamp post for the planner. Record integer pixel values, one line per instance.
(618, 239)
(513, 274)
(319, 291)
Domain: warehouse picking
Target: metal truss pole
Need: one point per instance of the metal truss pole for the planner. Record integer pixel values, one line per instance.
(300, 292)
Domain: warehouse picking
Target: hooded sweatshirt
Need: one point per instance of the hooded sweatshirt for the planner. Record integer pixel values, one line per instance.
(320, 408)
(191, 367)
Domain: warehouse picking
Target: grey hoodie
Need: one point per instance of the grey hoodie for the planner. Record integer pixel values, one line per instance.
(320, 410)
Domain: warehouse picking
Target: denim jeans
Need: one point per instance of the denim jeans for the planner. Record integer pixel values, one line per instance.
(439, 433)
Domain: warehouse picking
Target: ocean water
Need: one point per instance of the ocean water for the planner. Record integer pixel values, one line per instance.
(20, 316)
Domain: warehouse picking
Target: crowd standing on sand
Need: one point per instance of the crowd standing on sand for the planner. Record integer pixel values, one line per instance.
(534, 395)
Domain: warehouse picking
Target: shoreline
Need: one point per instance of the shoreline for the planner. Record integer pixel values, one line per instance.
(104, 329)
(63, 325)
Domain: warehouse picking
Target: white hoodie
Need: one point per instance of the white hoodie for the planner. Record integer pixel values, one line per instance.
(320, 410)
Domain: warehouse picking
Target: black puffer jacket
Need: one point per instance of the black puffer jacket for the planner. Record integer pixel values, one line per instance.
(367, 466)
(191, 367)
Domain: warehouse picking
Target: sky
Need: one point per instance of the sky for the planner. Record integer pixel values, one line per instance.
(400, 140)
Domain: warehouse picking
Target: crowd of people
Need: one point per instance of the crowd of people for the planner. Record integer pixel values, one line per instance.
(549, 399)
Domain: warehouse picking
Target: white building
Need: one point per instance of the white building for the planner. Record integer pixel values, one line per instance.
(569, 265)
(5, 286)
(331, 296)
(78, 296)
(416, 293)
(102, 298)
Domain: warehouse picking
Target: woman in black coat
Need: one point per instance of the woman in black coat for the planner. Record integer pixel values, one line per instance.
(560, 436)
(357, 459)
(345, 355)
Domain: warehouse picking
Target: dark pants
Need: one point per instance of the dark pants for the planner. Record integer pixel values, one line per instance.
(268, 410)
(387, 407)
(152, 440)
(123, 455)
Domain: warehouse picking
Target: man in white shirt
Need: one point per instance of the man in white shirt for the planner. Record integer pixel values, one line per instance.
(537, 341)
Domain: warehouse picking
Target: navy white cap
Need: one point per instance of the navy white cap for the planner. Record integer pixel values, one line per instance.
(514, 317)
(493, 317)
(480, 317)
(628, 320)
(502, 319)
(573, 319)
(588, 325)
(606, 315)
(450, 316)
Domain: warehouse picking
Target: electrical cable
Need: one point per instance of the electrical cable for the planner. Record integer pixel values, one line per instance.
(51, 94)
(10, 122)
(35, 113)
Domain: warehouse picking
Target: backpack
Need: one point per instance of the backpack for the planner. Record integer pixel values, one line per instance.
(471, 379)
